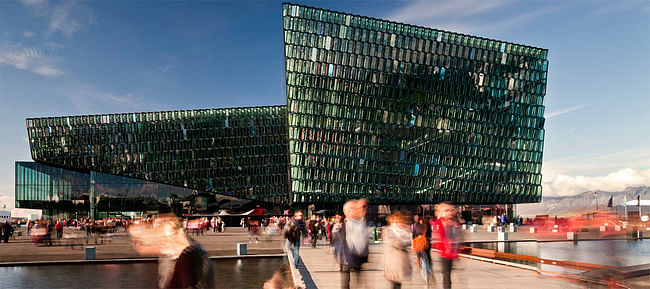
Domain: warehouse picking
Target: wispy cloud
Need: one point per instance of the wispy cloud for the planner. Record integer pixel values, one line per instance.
(34, 59)
(423, 11)
(28, 34)
(467, 16)
(70, 17)
(33, 2)
(90, 99)
(566, 110)
(65, 17)
(614, 7)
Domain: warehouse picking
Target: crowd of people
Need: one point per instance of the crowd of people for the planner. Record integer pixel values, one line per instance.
(45, 231)
(348, 235)
(202, 225)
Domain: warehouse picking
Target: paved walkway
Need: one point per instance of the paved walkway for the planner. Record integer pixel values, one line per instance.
(321, 271)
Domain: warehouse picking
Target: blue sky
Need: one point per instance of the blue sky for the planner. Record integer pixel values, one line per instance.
(71, 57)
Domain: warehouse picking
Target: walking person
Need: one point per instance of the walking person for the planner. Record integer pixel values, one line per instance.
(397, 242)
(59, 229)
(313, 229)
(7, 231)
(48, 233)
(447, 238)
(422, 248)
(293, 232)
(183, 262)
(351, 243)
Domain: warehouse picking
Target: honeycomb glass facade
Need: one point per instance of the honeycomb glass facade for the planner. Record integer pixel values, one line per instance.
(400, 113)
(241, 152)
(387, 111)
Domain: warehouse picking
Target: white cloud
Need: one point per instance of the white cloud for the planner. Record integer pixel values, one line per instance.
(48, 71)
(566, 185)
(65, 17)
(89, 99)
(597, 163)
(424, 11)
(28, 34)
(70, 17)
(32, 59)
(566, 110)
(615, 7)
(467, 16)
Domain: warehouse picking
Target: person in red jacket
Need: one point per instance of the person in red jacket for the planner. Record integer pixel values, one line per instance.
(447, 237)
(58, 227)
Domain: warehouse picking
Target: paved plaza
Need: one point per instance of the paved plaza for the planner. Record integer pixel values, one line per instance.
(321, 271)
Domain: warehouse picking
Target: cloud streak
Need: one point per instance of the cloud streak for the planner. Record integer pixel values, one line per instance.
(89, 99)
(566, 110)
(467, 16)
(33, 59)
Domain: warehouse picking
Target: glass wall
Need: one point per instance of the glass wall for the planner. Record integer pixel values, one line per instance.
(240, 152)
(40, 186)
(401, 113)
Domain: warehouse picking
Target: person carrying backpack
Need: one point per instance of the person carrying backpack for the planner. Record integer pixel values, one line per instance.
(293, 232)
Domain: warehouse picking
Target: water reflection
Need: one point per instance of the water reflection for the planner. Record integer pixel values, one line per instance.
(233, 274)
(605, 252)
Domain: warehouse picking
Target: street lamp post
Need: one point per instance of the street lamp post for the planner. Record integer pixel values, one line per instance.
(596, 195)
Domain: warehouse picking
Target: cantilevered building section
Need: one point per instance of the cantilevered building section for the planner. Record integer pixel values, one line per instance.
(239, 152)
(400, 113)
(391, 112)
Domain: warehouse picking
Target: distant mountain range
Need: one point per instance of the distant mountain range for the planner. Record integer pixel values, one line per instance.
(581, 203)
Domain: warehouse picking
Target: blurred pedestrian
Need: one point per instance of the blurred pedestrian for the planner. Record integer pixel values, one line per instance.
(422, 248)
(183, 262)
(351, 244)
(447, 238)
(7, 231)
(48, 233)
(293, 233)
(313, 229)
(397, 243)
(59, 229)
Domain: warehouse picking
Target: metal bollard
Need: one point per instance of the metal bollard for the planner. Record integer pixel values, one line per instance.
(242, 249)
(573, 236)
(90, 253)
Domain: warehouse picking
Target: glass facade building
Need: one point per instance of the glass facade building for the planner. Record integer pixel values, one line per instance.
(400, 113)
(391, 112)
(241, 152)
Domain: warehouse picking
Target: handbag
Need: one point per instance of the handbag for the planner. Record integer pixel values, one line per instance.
(420, 243)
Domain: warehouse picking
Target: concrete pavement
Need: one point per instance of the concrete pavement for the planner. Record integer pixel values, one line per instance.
(321, 271)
